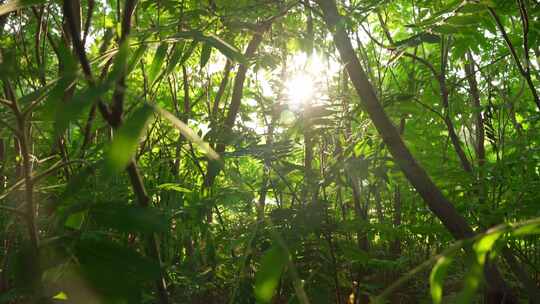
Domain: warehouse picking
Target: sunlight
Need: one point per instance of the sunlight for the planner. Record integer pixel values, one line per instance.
(305, 78)
(306, 81)
(300, 89)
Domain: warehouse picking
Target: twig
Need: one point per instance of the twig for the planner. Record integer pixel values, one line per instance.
(524, 72)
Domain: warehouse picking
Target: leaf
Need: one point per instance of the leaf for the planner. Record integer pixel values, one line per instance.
(176, 54)
(463, 20)
(112, 269)
(126, 139)
(475, 274)
(205, 54)
(188, 52)
(173, 187)
(225, 48)
(129, 218)
(446, 29)
(267, 278)
(533, 228)
(67, 79)
(472, 281)
(354, 255)
(14, 5)
(188, 133)
(75, 220)
(450, 7)
(159, 57)
(484, 245)
(73, 109)
(418, 39)
(471, 7)
(67, 112)
(120, 64)
(488, 3)
(76, 183)
(436, 278)
(62, 296)
(136, 57)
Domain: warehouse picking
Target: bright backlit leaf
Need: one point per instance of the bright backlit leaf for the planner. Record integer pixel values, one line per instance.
(127, 138)
(159, 57)
(267, 278)
(436, 278)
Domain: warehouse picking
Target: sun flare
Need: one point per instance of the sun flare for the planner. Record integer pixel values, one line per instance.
(304, 84)
(300, 88)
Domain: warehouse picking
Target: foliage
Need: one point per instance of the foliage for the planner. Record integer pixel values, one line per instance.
(220, 152)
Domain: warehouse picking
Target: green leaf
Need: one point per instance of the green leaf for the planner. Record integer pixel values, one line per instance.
(446, 29)
(418, 39)
(436, 278)
(38, 94)
(159, 57)
(14, 5)
(176, 54)
(267, 278)
(533, 228)
(173, 187)
(225, 48)
(129, 218)
(67, 79)
(205, 54)
(136, 57)
(73, 109)
(488, 3)
(188, 52)
(450, 7)
(62, 296)
(463, 20)
(188, 133)
(484, 245)
(127, 138)
(475, 274)
(353, 254)
(69, 111)
(472, 281)
(75, 220)
(76, 183)
(120, 63)
(473, 7)
(112, 269)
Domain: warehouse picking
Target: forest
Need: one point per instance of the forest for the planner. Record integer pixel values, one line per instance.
(270, 151)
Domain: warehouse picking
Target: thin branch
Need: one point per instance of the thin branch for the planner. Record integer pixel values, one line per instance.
(402, 52)
(525, 73)
(6, 102)
(525, 28)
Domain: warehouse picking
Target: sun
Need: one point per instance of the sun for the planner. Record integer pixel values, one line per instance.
(300, 89)
(305, 82)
